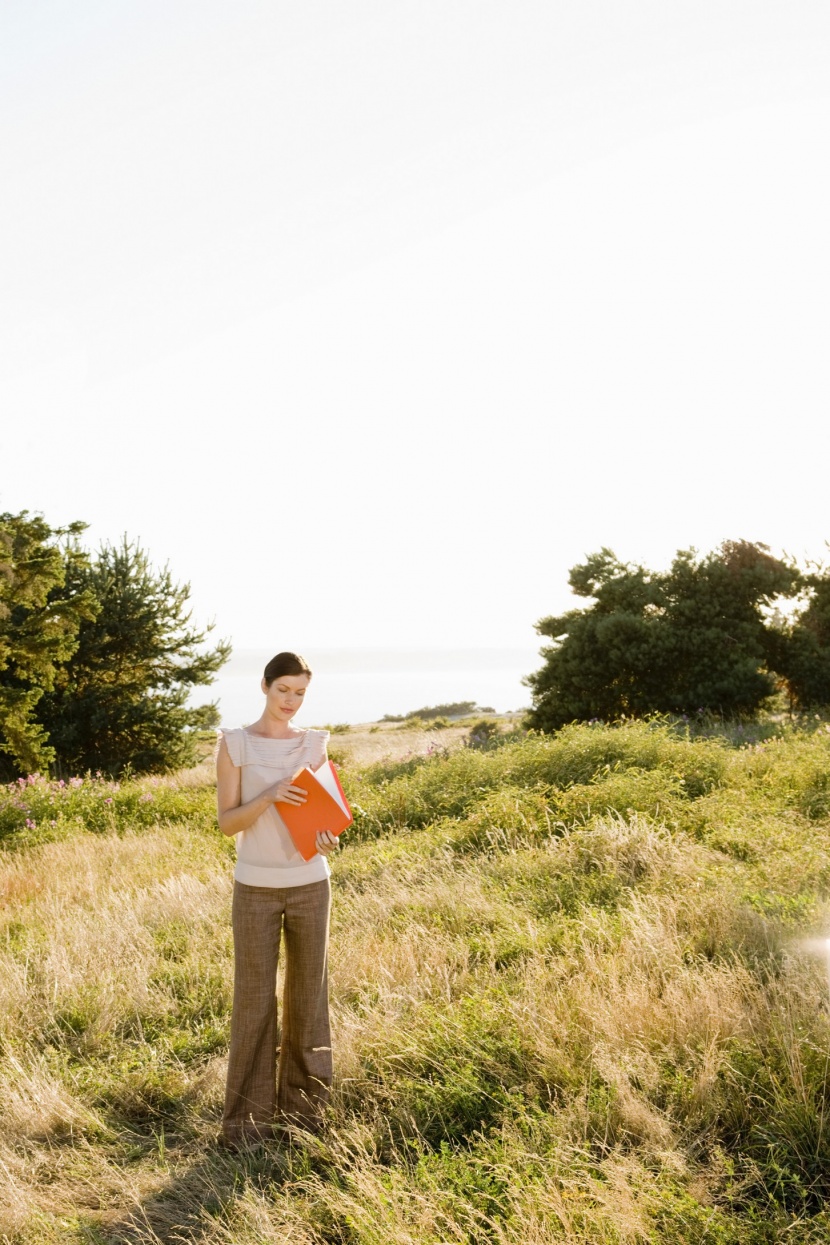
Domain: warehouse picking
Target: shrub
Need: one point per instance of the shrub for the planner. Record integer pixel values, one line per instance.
(482, 733)
(37, 809)
(420, 790)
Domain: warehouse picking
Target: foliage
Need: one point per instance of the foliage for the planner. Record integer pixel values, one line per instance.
(690, 639)
(414, 792)
(97, 656)
(455, 709)
(120, 702)
(40, 613)
(37, 809)
(482, 733)
(801, 647)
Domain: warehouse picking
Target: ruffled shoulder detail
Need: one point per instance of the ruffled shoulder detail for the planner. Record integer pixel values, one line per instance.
(315, 743)
(235, 742)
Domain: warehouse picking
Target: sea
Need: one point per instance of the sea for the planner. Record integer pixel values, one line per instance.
(362, 685)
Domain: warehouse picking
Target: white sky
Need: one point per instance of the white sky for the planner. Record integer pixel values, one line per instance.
(375, 317)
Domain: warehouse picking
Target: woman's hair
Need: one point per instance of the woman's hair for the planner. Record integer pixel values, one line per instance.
(285, 663)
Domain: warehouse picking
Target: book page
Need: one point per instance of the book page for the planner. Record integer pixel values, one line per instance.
(325, 777)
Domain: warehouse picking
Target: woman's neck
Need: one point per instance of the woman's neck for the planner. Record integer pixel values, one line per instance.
(273, 728)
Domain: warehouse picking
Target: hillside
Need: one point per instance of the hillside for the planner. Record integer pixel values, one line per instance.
(579, 990)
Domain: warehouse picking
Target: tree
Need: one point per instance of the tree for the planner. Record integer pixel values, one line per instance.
(802, 644)
(673, 642)
(121, 699)
(39, 621)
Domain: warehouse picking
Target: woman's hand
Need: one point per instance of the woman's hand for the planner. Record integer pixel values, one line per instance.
(286, 793)
(326, 842)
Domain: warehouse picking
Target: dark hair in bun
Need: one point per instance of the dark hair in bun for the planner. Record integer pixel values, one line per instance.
(285, 663)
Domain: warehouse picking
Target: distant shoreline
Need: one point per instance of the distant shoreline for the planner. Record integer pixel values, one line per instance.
(361, 686)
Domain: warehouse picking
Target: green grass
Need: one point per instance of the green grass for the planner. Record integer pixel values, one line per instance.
(579, 994)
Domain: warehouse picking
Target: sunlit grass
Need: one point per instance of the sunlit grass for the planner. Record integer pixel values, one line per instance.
(574, 999)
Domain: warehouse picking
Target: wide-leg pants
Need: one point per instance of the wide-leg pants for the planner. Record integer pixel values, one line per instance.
(256, 1096)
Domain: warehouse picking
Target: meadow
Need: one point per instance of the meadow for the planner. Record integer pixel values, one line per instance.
(579, 992)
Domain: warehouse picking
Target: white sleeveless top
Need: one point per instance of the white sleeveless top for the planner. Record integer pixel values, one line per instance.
(265, 853)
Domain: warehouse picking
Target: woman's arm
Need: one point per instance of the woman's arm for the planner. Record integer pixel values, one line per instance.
(322, 761)
(235, 817)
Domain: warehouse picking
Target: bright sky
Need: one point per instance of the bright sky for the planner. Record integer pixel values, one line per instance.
(374, 318)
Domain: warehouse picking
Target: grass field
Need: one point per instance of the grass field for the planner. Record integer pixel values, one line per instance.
(579, 990)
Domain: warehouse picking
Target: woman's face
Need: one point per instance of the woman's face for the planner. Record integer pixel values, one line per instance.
(285, 695)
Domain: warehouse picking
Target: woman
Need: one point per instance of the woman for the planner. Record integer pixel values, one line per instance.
(276, 893)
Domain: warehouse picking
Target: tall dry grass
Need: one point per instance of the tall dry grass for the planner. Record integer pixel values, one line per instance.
(576, 1004)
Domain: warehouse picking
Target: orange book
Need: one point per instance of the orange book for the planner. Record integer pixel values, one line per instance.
(325, 808)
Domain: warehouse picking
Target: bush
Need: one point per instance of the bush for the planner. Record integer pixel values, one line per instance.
(482, 733)
(419, 790)
(37, 809)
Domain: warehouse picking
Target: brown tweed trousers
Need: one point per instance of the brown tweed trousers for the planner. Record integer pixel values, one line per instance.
(256, 1098)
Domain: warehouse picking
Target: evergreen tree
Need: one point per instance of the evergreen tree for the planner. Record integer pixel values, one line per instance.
(121, 699)
(39, 620)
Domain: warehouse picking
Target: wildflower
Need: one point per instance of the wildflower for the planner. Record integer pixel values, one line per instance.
(146, 798)
(30, 825)
(108, 800)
